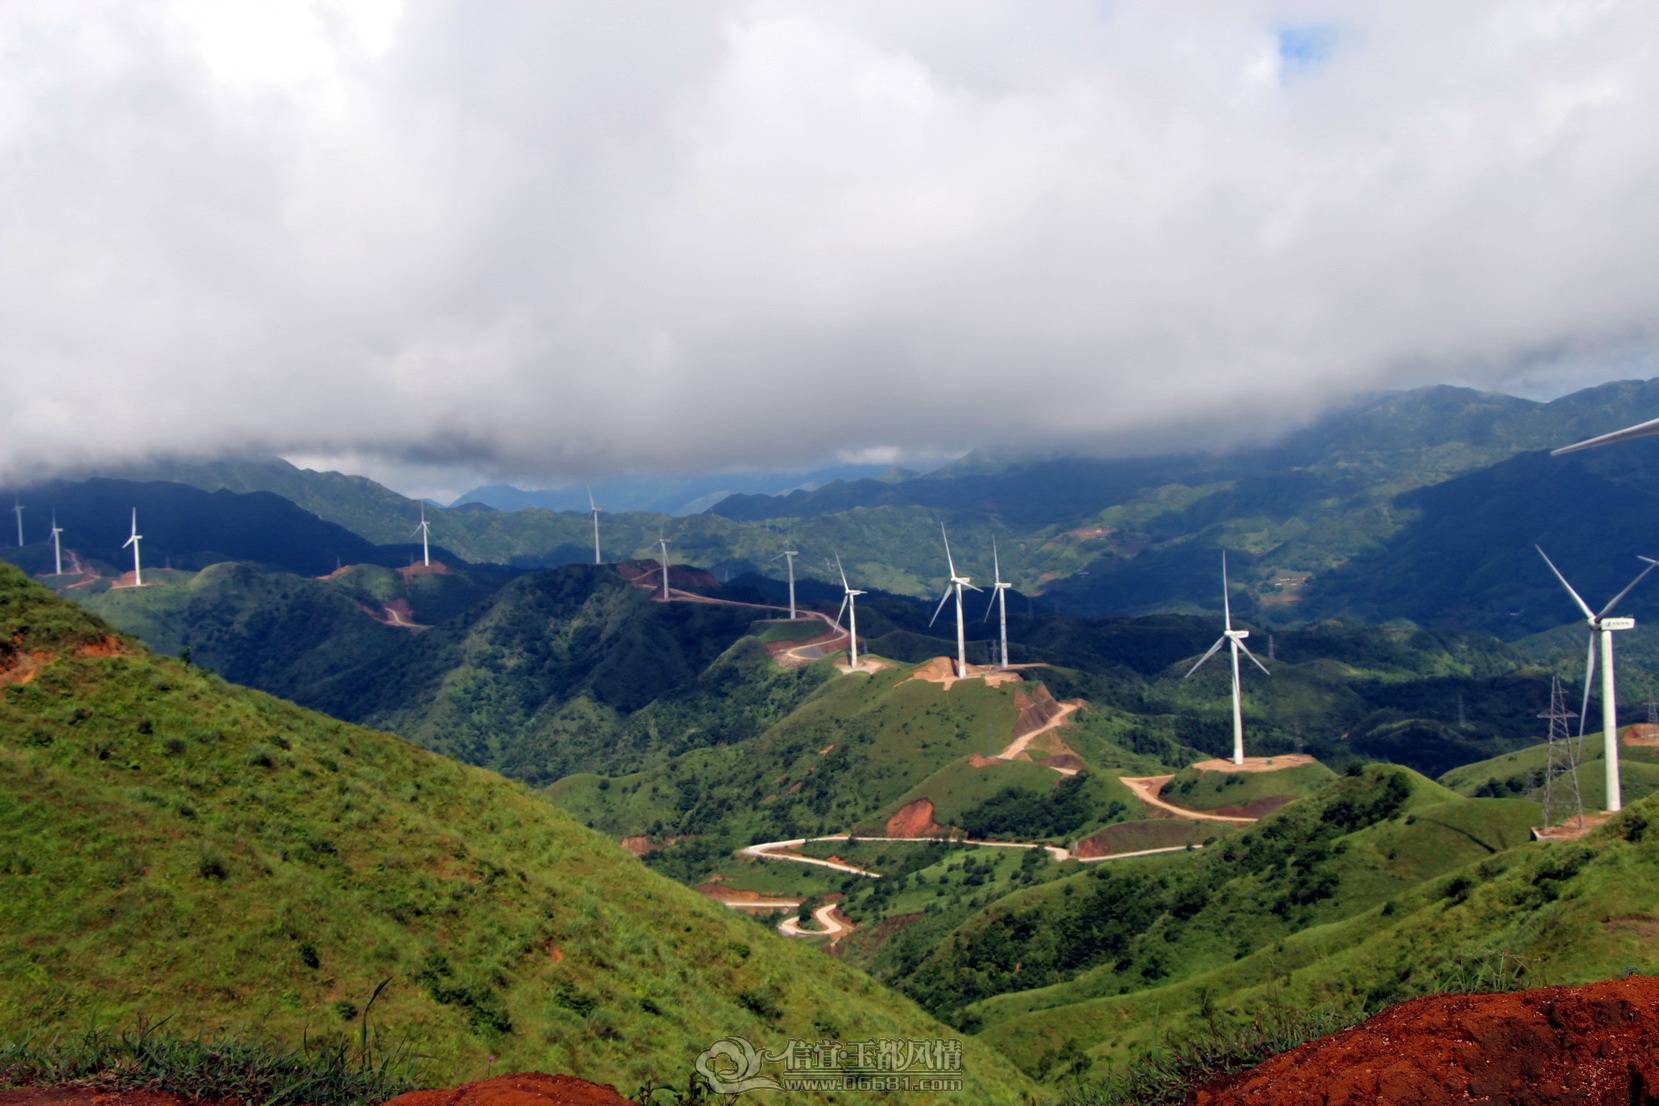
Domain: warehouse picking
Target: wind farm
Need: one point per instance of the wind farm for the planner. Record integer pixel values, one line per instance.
(1349, 305)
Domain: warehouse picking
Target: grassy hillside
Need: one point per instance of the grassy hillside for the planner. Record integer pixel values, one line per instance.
(1529, 916)
(174, 846)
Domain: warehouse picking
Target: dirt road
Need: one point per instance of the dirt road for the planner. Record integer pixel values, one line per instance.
(776, 850)
(1018, 745)
(829, 921)
(1146, 789)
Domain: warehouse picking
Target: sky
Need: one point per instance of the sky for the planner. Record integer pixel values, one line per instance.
(449, 242)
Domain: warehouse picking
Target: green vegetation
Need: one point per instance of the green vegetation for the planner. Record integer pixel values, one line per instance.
(1249, 792)
(361, 1071)
(239, 862)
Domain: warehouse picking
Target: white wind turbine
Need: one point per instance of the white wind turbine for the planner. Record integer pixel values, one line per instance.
(957, 583)
(425, 531)
(849, 604)
(133, 540)
(1234, 639)
(17, 509)
(663, 541)
(789, 555)
(1605, 627)
(999, 600)
(57, 545)
(594, 507)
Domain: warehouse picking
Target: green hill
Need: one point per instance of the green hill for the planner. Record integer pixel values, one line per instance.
(1070, 971)
(172, 846)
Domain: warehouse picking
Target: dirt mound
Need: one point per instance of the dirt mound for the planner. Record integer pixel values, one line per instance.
(436, 568)
(1588, 1045)
(1256, 764)
(1037, 707)
(526, 1089)
(914, 819)
(939, 670)
(1641, 734)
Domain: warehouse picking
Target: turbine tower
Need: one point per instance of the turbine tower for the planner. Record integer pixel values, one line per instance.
(999, 599)
(133, 540)
(17, 509)
(1234, 639)
(663, 541)
(1605, 627)
(957, 583)
(849, 604)
(789, 555)
(57, 545)
(594, 507)
(425, 531)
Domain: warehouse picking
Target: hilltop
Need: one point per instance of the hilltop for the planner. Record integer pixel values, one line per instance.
(240, 862)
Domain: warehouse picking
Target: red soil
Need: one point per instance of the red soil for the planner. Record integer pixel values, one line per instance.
(1036, 706)
(1590, 1046)
(526, 1089)
(914, 819)
(436, 568)
(978, 761)
(648, 574)
(18, 667)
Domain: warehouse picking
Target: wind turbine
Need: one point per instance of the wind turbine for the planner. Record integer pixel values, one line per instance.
(425, 531)
(1234, 639)
(999, 599)
(133, 540)
(57, 545)
(849, 604)
(957, 583)
(17, 509)
(663, 541)
(594, 507)
(789, 555)
(1604, 626)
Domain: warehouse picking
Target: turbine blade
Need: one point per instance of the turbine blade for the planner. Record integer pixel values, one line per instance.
(1582, 605)
(996, 562)
(845, 599)
(1226, 600)
(1640, 430)
(939, 608)
(1219, 642)
(1589, 679)
(592, 506)
(949, 560)
(989, 607)
(1253, 659)
(844, 585)
(970, 587)
(1613, 602)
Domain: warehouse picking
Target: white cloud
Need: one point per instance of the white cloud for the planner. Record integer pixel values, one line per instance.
(558, 239)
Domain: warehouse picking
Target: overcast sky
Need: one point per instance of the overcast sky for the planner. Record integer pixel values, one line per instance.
(541, 240)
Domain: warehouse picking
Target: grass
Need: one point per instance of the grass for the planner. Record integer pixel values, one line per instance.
(172, 845)
(1207, 790)
(150, 1056)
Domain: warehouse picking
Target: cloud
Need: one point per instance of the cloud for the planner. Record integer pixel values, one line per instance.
(553, 239)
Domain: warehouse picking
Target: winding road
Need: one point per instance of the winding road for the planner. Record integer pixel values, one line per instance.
(1146, 789)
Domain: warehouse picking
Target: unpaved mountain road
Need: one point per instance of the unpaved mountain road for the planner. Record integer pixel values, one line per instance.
(1146, 789)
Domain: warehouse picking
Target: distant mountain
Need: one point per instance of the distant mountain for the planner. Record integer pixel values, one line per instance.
(1465, 556)
(184, 526)
(668, 495)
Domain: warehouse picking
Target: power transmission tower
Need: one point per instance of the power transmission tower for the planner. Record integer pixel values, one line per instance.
(1272, 653)
(1652, 713)
(1562, 800)
(1462, 716)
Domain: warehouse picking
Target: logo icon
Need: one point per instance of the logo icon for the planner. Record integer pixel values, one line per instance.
(732, 1065)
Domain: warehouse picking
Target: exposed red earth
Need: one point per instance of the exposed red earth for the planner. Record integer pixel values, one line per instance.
(525, 1089)
(1589, 1046)
(914, 819)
